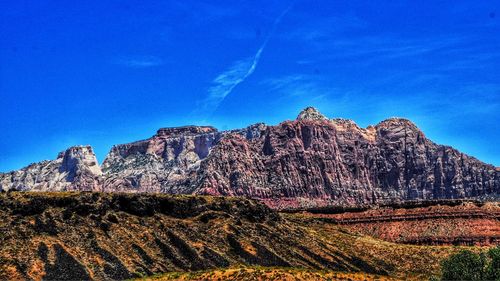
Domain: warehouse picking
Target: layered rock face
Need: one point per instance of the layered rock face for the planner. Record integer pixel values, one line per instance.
(167, 162)
(318, 162)
(163, 163)
(74, 169)
(309, 162)
(447, 223)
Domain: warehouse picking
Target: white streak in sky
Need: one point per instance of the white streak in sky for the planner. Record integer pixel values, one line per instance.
(238, 72)
(140, 62)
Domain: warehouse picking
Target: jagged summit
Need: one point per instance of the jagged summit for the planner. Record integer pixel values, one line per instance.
(77, 149)
(349, 126)
(311, 113)
(398, 123)
(396, 120)
(293, 164)
(185, 130)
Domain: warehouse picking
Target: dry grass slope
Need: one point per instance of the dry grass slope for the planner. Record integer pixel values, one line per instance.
(268, 273)
(118, 236)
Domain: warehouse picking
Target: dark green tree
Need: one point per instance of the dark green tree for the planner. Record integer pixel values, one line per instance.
(465, 265)
(493, 270)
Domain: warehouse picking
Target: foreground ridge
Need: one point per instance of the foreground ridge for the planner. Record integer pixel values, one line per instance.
(312, 161)
(117, 236)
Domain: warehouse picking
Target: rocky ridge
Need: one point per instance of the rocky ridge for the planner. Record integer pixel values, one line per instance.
(312, 161)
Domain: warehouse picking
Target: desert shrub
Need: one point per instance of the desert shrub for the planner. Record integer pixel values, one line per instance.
(467, 265)
(493, 270)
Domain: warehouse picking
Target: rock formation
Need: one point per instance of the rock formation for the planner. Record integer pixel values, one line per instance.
(162, 163)
(74, 169)
(313, 161)
(309, 162)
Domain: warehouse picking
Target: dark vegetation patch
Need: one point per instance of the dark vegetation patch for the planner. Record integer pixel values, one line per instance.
(319, 259)
(341, 264)
(268, 258)
(238, 250)
(65, 267)
(168, 253)
(305, 261)
(142, 205)
(112, 218)
(364, 266)
(144, 256)
(45, 224)
(215, 259)
(189, 254)
(211, 215)
(113, 268)
(410, 204)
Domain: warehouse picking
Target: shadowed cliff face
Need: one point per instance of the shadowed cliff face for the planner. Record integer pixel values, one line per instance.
(309, 162)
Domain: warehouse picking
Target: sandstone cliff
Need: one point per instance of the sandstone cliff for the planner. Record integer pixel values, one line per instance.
(309, 162)
(74, 169)
(313, 161)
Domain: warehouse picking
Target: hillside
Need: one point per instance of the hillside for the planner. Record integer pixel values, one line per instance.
(115, 236)
(429, 223)
(268, 273)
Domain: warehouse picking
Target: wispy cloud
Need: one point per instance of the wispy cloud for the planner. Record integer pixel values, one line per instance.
(324, 28)
(140, 61)
(303, 86)
(384, 47)
(349, 38)
(238, 72)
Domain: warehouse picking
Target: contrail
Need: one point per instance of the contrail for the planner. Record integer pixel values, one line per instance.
(239, 71)
(259, 52)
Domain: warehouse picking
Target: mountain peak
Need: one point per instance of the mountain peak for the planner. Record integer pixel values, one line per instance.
(79, 157)
(320, 162)
(397, 122)
(310, 113)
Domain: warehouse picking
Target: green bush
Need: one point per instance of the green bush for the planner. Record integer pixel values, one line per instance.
(493, 270)
(467, 265)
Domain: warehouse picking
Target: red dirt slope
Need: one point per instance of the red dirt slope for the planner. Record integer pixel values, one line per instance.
(465, 224)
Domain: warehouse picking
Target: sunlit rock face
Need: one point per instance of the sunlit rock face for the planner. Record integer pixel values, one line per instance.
(165, 162)
(308, 162)
(310, 113)
(74, 169)
(313, 161)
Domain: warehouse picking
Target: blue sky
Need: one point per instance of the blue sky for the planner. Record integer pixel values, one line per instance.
(110, 72)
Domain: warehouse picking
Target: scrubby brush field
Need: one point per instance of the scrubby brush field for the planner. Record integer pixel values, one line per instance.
(105, 236)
